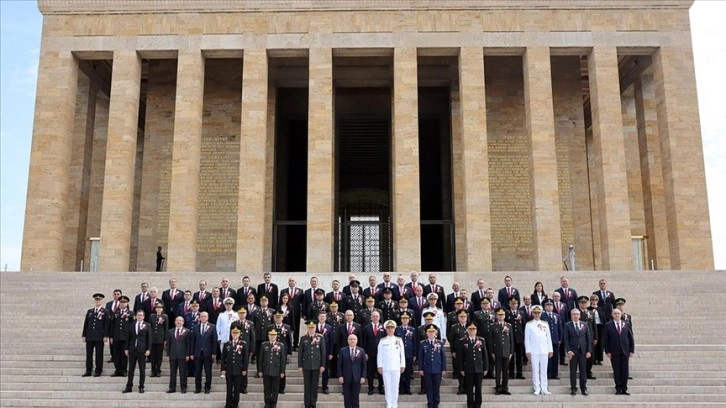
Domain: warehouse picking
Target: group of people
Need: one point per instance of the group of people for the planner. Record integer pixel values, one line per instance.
(380, 333)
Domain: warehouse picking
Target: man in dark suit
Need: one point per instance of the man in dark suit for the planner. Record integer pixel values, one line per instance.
(414, 283)
(619, 346)
(171, 298)
(568, 295)
(479, 293)
(337, 296)
(114, 304)
(138, 347)
(578, 344)
(235, 362)
(186, 305)
(226, 291)
(214, 305)
(271, 367)
(348, 327)
(433, 287)
(244, 291)
(453, 296)
(178, 350)
(352, 372)
(141, 297)
(372, 289)
(501, 339)
(606, 299)
(96, 328)
(204, 350)
(508, 292)
(202, 295)
(159, 259)
(472, 356)
(372, 334)
(310, 298)
(311, 361)
(296, 296)
(556, 325)
(149, 304)
(386, 284)
(346, 288)
(268, 289)
(400, 290)
(417, 304)
(431, 366)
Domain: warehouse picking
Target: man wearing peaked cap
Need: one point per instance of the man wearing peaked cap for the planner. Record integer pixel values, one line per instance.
(391, 363)
(318, 306)
(538, 346)
(474, 364)
(95, 332)
(235, 363)
(431, 366)
(556, 326)
(224, 322)
(457, 334)
(501, 339)
(284, 336)
(439, 315)
(409, 337)
(311, 359)
(271, 367)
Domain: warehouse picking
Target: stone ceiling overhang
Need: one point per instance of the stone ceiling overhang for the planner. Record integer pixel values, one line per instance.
(48, 7)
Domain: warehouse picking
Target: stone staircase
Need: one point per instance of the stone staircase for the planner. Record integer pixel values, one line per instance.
(680, 344)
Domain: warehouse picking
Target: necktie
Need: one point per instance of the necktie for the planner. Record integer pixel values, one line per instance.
(143, 297)
(350, 328)
(115, 306)
(267, 288)
(619, 328)
(352, 354)
(204, 328)
(336, 296)
(320, 327)
(178, 333)
(567, 293)
(201, 295)
(431, 342)
(173, 293)
(138, 327)
(375, 330)
(292, 293)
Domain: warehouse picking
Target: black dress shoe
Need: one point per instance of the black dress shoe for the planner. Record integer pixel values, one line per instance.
(630, 378)
(460, 392)
(506, 392)
(244, 391)
(116, 375)
(96, 374)
(325, 391)
(141, 390)
(497, 392)
(624, 393)
(520, 377)
(183, 390)
(207, 391)
(382, 392)
(584, 392)
(170, 391)
(557, 378)
(126, 390)
(573, 392)
(370, 392)
(283, 391)
(591, 377)
(86, 374)
(197, 391)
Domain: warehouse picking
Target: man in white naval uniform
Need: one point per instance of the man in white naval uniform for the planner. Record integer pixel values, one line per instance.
(224, 321)
(538, 346)
(391, 363)
(439, 315)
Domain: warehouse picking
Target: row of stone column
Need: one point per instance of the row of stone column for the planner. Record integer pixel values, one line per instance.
(678, 127)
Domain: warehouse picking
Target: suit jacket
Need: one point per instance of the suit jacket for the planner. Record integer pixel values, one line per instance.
(183, 308)
(139, 304)
(476, 298)
(441, 302)
(607, 303)
(327, 333)
(229, 292)
(204, 345)
(536, 300)
(352, 369)
(181, 347)
(346, 290)
(503, 297)
(272, 295)
(618, 343)
(171, 304)
(375, 292)
(371, 339)
(272, 359)
(159, 326)
(570, 301)
(450, 299)
(296, 301)
(431, 357)
(197, 296)
(312, 354)
(307, 301)
(383, 285)
(139, 342)
(241, 298)
(578, 339)
(341, 335)
(472, 356)
(556, 324)
(404, 292)
(501, 340)
(212, 311)
(96, 325)
(413, 304)
(342, 299)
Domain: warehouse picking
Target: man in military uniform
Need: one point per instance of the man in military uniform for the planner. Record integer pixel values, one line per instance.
(159, 325)
(391, 363)
(439, 315)
(191, 319)
(311, 360)
(284, 335)
(409, 336)
(248, 335)
(323, 328)
(95, 333)
(356, 301)
(431, 366)
(224, 322)
(122, 321)
(516, 318)
(457, 335)
(387, 306)
(318, 306)
(364, 317)
(263, 317)
(452, 317)
(483, 319)
(179, 351)
(472, 356)
(428, 318)
(334, 319)
(588, 317)
(403, 308)
(271, 365)
(538, 346)
(501, 339)
(555, 323)
(235, 361)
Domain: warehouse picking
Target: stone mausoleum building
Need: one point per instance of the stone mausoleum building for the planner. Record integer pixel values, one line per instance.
(366, 135)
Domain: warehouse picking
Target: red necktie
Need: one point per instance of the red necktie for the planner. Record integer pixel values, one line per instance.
(375, 330)
(350, 329)
(115, 306)
(292, 293)
(619, 328)
(336, 296)
(509, 292)
(567, 293)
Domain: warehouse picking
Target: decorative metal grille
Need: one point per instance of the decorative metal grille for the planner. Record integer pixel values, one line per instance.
(363, 238)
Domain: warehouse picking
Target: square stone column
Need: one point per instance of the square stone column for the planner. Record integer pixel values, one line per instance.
(610, 176)
(321, 162)
(50, 161)
(477, 222)
(542, 159)
(654, 202)
(684, 180)
(405, 197)
(118, 191)
(186, 154)
(252, 163)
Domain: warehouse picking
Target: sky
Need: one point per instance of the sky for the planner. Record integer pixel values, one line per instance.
(20, 29)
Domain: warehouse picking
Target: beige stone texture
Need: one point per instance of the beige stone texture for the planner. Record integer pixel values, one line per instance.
(156, 168)
(473, 218)
(219, 167)
(632, 163)
(572, 166)
(79, 175)
(253, 163)
(98, 165)
(508, 143)
(50, 161)
(654, 204)
(186, 154)
(321, 162)
(457, 176)
(542, 159)
(610, 182)
(689, 231)
(405, 194)
(269, 179)
(118, 192)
